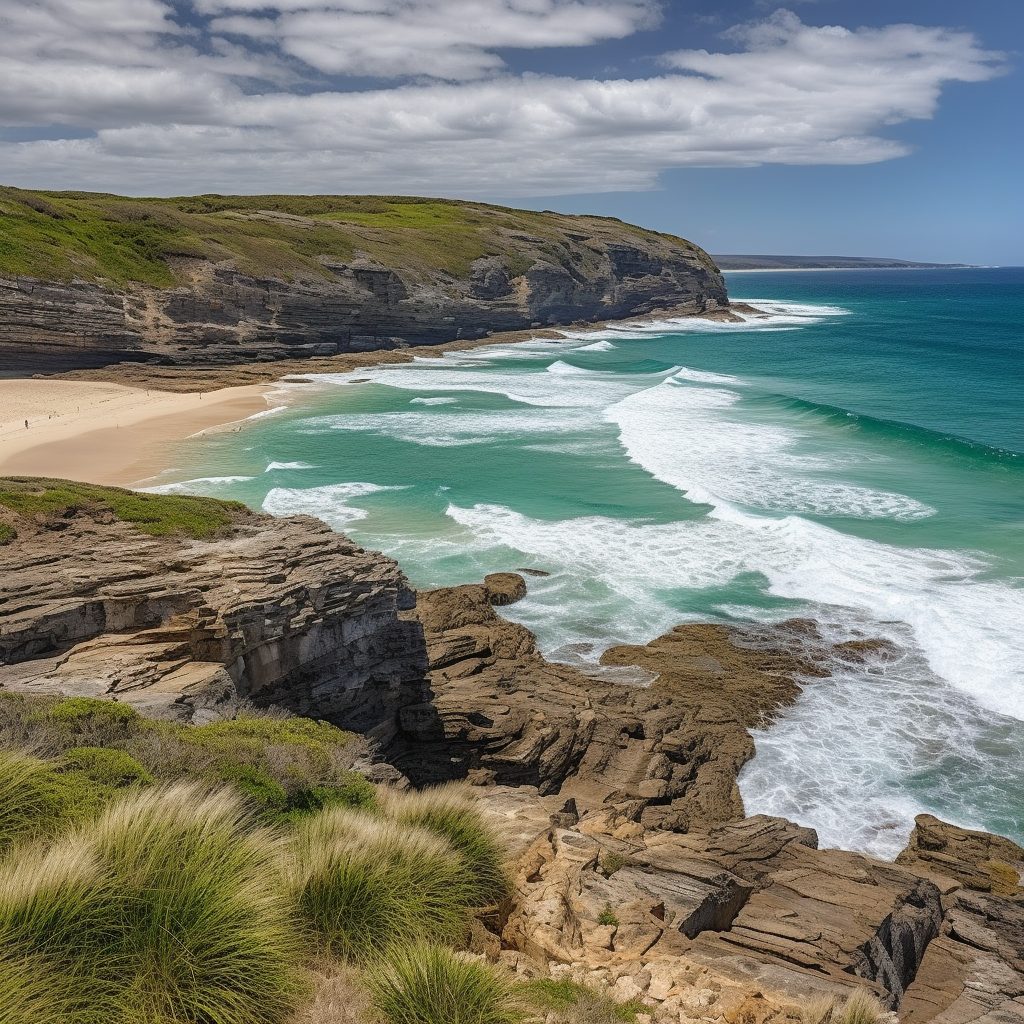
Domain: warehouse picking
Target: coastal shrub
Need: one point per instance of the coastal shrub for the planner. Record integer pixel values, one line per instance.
(106, 766)
(607, 916)
(166, 907)
(156, 514)
(354, 792)
(364, 886)
(565, 1001)
(448, 811)
(288, 766)
(429, 984)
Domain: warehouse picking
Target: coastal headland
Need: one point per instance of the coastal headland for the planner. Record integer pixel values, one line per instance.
(634, 866)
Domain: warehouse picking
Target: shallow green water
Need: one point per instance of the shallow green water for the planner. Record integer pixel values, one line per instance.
(857, 455)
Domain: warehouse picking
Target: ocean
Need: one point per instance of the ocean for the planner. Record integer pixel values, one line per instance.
(855, 455)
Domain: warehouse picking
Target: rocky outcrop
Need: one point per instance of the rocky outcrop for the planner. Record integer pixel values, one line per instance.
(666, 724)
(733, 923)
(220, 314)
(279, 611)
(977, 860)
(974, 971)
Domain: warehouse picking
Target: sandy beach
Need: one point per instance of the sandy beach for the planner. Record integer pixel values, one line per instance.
(108, 433)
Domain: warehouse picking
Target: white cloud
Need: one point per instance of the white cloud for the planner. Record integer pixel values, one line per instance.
(449, 39)
(171, 117)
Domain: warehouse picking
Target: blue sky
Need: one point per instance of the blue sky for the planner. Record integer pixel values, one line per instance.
(819, 126)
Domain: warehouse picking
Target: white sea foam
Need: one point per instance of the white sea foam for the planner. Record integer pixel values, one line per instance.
(842, 758)
(433, 401)
(330, 502)
(687, 437)
(288, 465)
(706, 377)
(458, 429)
(200, 485)
(598, 346)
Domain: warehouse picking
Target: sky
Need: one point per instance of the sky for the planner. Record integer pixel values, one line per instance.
(824, 127)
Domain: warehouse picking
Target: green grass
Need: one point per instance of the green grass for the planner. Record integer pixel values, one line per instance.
(118, 241)
(42, 799)
(286, 767)
(365, 886)
(156, 514)
(429, 984)
(570, 1002)
(7, 534)
(448, 811)
(166, 908)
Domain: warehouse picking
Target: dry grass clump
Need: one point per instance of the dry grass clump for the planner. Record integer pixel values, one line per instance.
(364, 886)
(448, 811)
(165, 908)
(428, 984)
(860, 1007)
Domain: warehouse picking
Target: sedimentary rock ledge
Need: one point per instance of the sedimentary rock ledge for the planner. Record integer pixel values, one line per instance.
(234, 279)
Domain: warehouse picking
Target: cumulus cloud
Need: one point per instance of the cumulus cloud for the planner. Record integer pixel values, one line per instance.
(175, 110)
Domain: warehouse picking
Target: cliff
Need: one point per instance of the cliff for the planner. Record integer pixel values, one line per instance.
(90, 279)
(614, 790)
(101, 597)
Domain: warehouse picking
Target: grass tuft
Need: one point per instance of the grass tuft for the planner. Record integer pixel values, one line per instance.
(166, 908)
(365, 886)
(860, 1008)
(432, 985)
(448, 811)
(569, 1002)
(39, 800)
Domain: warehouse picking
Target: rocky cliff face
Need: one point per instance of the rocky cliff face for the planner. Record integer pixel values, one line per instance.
(633, 862)
(225, 311)
(275, 611)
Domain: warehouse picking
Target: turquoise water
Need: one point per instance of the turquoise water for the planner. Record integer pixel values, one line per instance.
(855, 455)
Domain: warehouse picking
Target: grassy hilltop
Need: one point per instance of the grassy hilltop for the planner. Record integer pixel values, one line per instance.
(116, 241)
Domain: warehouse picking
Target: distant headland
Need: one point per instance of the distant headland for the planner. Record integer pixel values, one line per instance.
(734, 262)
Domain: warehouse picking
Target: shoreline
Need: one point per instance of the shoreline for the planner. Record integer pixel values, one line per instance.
(107, 433)
(127, 416)
(191, 378)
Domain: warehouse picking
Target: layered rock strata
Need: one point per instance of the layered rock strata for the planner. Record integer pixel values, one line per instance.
(736, 923)
(220, 315)
(275, 611)
(666, 724)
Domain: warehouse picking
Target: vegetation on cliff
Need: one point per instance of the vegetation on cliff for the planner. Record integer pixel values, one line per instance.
(125, 896)
(117, 240)
(156, 514)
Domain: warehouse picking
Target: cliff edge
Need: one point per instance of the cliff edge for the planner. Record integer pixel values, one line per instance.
(90, 279)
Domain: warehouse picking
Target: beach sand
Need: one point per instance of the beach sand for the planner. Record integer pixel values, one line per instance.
(107, 433)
